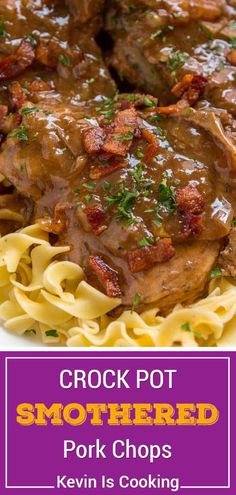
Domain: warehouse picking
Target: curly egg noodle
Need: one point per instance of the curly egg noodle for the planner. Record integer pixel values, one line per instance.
(41, 294)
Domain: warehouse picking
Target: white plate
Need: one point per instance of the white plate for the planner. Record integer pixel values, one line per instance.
(9, 339)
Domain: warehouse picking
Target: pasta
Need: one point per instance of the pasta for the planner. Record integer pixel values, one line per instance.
(40, 293)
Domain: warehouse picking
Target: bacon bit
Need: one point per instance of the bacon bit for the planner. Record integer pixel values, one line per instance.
(153, 146)
(47, 53)
(190, 200)
(231, 57)
(99, 171)
(179, 88)
(144, 258)
(96, 217)
(18, 97)
(125, 104)
(3, 112)
(120, 138)
(173, 109)
(14, 65)
(38, 85)
(10, 122)
(191, 88)
(192, 225)
(93, 140)
(56, 225)
(106, 275)
(196, 89)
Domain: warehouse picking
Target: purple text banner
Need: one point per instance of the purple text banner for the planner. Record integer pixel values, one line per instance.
(118, 422)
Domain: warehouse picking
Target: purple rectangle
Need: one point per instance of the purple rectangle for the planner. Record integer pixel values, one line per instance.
(201, 456)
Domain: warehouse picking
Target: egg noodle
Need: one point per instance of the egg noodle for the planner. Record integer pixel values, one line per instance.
(43, 295)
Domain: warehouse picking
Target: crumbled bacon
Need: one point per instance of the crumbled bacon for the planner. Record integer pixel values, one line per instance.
(14, 65)
(10, 122)
(179, 88)
(196, 89)
(47, 53)
(98, 171)
(192, 225)
(38, 85)
(96, 218)
(153, 147)
(120, 137)
(93, 140)
(55, 225)
(3, 112)
(18, 97)
(144, 258)
(231, 57)
(107, 276)
(190, 89)
(190, 200)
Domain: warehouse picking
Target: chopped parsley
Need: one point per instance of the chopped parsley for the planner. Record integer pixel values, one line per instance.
(123, 201)
(232, 41)
(23, 168)
(136, 301)
(207, 32)
(166, 197)
(3, 32)
(234, 222)
(91, 81)
(148, 241)
(215, 273)
(89, 197)
(176, 60)
(76, 191)
(65, 60)
(52, 333)
(148, 103)
(126, 137)
(161, 33)
(108, 114)
(90, 185)
(139, 154)
(32, 39)
(20, 133)
(29, 110)
(187, 328)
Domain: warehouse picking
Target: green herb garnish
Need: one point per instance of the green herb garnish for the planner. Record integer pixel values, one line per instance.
(176, 60)
(52, 333)
(148, 103)
(148, 241)
(90, 185)
(166, 196)
(136, 301)
(65, 60)
(3, 32)
(126, 137)
(20, 133)
(216, 272)
(29, 110)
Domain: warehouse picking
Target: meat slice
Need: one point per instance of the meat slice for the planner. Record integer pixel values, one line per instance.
(227, 259)
(149, 226)
(42, 42)
(158, 44)
(84, 10)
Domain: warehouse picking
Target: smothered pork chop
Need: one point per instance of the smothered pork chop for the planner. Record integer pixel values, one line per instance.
(144, 201)
(159, 45)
